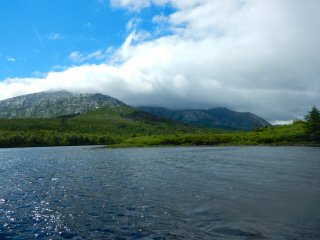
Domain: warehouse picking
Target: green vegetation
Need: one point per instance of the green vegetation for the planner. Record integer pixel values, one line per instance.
(128, 128)
(103, 126)
(293, 134)
(313, 124)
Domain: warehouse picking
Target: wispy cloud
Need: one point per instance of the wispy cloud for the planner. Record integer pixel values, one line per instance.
(133, 23)
(11, 59)
(88, 25)
(59, 68)
(135, 5)
(77, 56)
(38, 74)
(38, 36)
(160, 19)
(55, 36)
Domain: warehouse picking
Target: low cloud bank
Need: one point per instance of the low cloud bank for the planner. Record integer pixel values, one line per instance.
(258, 56)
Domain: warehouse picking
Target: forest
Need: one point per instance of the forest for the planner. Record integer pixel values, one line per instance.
(136, 132)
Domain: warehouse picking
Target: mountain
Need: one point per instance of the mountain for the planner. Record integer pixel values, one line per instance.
(211, 118)
(51, 104)
(63, 104)
(89, 113)
(63, 118)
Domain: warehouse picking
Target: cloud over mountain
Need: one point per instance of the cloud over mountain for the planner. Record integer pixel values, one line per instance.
(258, 56)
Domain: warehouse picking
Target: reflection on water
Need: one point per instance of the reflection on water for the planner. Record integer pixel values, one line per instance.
(160, 193)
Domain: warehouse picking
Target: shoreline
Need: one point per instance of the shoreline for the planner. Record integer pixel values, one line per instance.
(115, 146)
(118, 146)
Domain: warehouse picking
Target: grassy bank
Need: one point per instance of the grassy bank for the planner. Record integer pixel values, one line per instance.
(294, 134)
(116, 131)
(91, 129)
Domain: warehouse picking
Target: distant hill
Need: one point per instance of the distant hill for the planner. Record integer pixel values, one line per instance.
(211, 118)
(52, 104)
(63, 118)
(88, 112)
(63, 104)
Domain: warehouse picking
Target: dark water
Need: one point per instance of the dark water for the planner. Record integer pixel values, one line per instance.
(160, 193)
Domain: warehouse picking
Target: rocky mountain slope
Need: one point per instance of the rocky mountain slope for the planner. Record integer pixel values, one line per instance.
(63, 119)
(212, 118)
(55, 104)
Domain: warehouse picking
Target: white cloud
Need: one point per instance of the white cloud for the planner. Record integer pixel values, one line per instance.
(131, 5)
(11, 59)
(55, 36)
(160, 19)
(38, 74)
(133, 23)
(77, 56)
(282, 122)
(137, 5)
(259, 56)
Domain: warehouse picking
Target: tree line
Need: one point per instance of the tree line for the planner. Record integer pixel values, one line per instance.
(53, 132)
(313, 124)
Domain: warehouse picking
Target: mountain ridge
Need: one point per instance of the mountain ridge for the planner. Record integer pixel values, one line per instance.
(55, 104)
(219, 117)
(51, 104)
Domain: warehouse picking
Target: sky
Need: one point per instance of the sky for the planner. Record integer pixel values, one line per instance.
(260, 56)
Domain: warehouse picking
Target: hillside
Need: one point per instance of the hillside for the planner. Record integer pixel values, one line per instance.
(212, 118)
(63, 118)
(293, 134)
(54, 104)
(91, 119)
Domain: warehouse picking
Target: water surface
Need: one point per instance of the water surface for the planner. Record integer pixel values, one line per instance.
(160, 193)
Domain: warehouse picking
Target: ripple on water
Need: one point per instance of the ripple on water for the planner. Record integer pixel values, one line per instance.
(160, 193)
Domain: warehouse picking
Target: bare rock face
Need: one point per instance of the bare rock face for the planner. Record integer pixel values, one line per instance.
(51, 104)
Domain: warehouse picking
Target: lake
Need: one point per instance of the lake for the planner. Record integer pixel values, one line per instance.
(160, 193)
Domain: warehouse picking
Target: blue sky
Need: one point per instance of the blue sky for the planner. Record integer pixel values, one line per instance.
(247, 55)
(38, 36)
